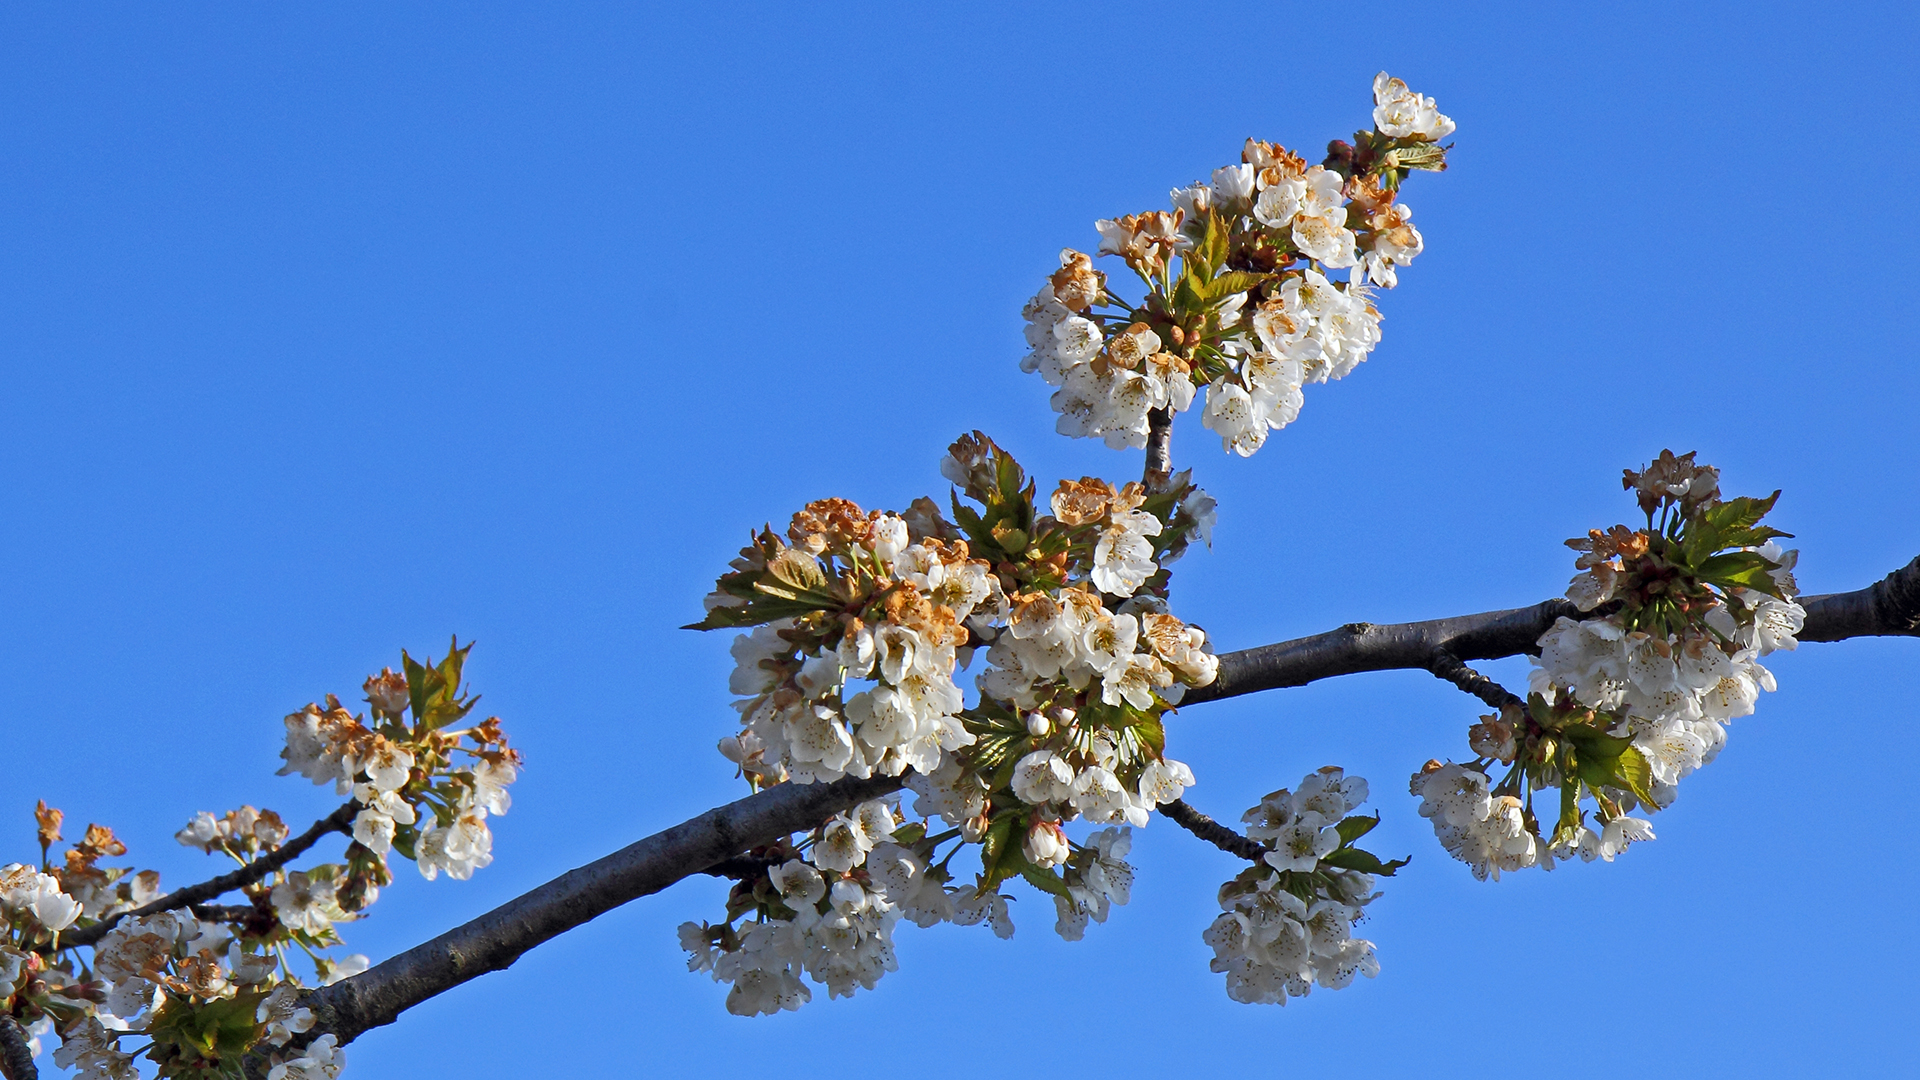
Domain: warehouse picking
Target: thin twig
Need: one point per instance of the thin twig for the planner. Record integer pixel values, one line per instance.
(1213, 832)
(16, 1053)
(740, 867)
(1448, 666)
(340, 820)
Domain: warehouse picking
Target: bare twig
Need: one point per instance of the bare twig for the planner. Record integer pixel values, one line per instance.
(1448, 666)
(340, 820)
(1159, 445)
(494, 940)
(1213, 832)
(740, 867)
(16, 1055)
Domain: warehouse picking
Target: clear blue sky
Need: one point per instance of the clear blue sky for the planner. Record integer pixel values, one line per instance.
(328, 330)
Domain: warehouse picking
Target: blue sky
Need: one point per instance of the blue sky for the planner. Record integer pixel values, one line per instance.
(329, 331)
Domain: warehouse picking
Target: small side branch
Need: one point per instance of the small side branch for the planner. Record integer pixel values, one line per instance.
(340, 821)
(16, 1054)
(1213, 832)
(1159, 445)
(740, 867)
(1447, 666)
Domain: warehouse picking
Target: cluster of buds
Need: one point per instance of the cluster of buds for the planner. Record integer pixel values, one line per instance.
(207, 984)
(1626, 703)
(1238, 294)
(1082, 660)
(1286, 923)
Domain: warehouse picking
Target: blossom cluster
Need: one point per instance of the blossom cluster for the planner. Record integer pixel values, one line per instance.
(206, 985)
(1081, 659)
(1628, 702)
(1286, 923)
(1251, 311)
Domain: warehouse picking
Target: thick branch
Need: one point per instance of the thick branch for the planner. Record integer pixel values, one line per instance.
(340, 820)
(1889, 607)
(495, 940)
(1213, 832)
(16, 1056)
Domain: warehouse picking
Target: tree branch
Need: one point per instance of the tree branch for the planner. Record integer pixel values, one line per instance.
(1889, 607)
(495, 940)
(16, 1055)
(1213, 832)
(340, 820)
(1447, 666)
(1159, 445)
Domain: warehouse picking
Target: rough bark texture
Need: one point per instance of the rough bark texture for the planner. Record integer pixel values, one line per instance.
(1159, 446)
(1213, 832)
(494, 940)
(16, 1057)
(1447, 666)
(1889, 607)
(340, 821)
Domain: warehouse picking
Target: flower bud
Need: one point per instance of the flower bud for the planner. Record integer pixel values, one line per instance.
(387, 692)
(972, 829)
(1038, 725)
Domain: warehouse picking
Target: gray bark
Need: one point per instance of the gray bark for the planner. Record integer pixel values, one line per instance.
(16, 1056)
(494, 940)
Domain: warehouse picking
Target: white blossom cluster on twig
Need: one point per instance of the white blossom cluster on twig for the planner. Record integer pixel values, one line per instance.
(1626, 704)
(207, 984)
(862, 619)
(1239, 293)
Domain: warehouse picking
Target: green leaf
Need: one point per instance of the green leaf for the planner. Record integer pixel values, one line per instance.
(1008, 479)
(1355, 827)
(1569, 822)
(1431, 157)
(1353, 858)
(1011, 540)
(1186, 298)
(433, 692)
(797, 570)
(763, 609)
(1742, 513)
(1740, 569)
(1044, 880)
(1595, 743)
(993, 849)
(1636, 776)
(1229, 283)
(970, 523)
